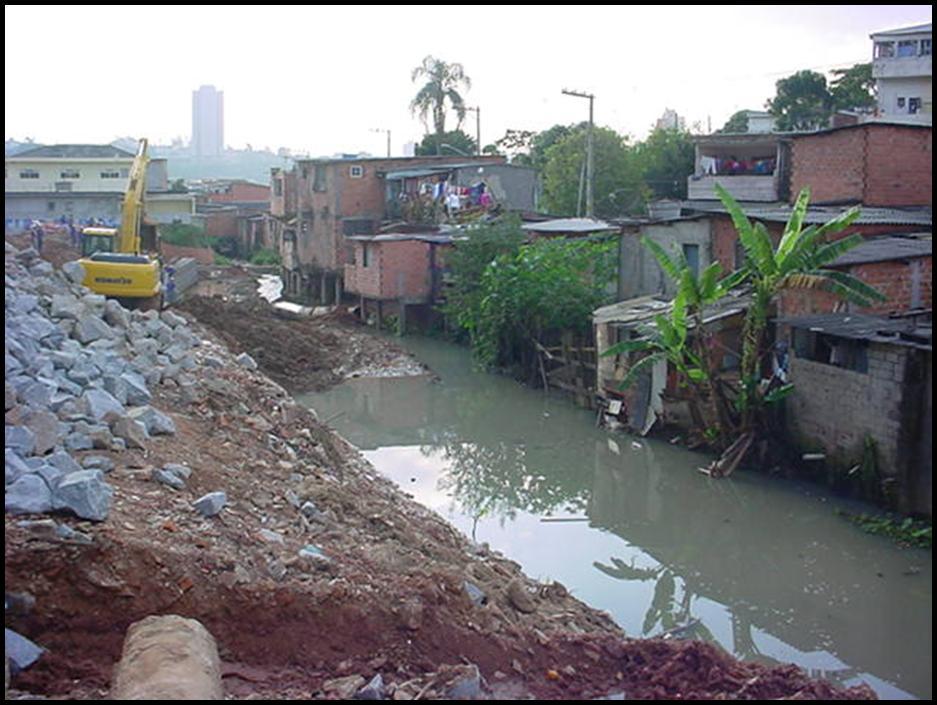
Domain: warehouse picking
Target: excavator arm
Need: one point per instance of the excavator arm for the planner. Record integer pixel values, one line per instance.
(132, 211)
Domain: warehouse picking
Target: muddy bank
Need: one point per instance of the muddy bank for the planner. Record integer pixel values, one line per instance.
(318, 574)
(302, 355)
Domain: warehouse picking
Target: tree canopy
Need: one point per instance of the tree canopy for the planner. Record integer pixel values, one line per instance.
(802, 102)
(618, 187)
(447, 143)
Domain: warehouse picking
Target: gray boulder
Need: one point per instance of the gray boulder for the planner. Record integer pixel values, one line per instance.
(131, 431)
(74, 271)
(116, 315)
(46, 430)
(91, 328)
(99, 403)
(20, 439)
(156, 422)
(210, 504)
(165, 477)
(85, 493)
(137, 392)
(97, 462)
(21, 652)
(15, 468)
(28, 495)
(245, 360)
(65, 306)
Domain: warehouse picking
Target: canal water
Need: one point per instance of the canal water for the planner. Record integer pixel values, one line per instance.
(766, 568)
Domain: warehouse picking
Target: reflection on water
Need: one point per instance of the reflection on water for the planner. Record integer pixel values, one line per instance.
(766, 569)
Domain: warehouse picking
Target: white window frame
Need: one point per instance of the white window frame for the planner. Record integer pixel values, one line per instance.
(29, 174)
(70, 174)
(356, 171)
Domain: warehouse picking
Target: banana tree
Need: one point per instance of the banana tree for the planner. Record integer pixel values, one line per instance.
(798, 262)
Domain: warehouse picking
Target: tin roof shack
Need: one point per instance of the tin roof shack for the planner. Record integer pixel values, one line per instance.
(400, 274)
(657, 395)
(859, 378)
(639, 274)
(899, 267)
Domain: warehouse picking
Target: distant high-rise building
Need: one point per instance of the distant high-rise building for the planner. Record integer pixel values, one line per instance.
(207, 122)
(670, 120)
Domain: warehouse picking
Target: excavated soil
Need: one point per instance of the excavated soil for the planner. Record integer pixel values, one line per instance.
(389, 598)
(302, 355)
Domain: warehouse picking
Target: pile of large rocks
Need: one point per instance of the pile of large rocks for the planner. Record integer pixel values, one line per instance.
(79, 369)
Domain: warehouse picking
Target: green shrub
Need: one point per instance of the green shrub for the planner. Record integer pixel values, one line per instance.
(265, 257)
(184, 235)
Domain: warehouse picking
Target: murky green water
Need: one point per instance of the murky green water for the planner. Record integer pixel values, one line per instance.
(630, 527)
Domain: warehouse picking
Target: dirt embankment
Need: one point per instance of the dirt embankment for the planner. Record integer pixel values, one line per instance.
(302, 355)
(319, 574)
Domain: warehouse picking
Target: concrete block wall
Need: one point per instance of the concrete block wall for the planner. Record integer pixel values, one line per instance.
(836, 408)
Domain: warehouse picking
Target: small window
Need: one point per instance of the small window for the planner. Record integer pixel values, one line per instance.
(50, 205)
(901, 103)
(70, 174)
(884, 50)
(691, 254)
(907, 48)
(926, 47)
(278, 187)
(110, 174)
(125, 173)
(365, 256)
(914, 105)
(63, 185)
(356, 172)
(318, 183)
(29, 174)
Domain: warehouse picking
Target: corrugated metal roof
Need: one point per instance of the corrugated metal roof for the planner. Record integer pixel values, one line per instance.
(570, 225)
(643, 309)
(885, 249)
(876, 329)
(821, 214)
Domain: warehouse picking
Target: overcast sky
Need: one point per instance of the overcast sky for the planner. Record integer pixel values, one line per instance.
(317, 79)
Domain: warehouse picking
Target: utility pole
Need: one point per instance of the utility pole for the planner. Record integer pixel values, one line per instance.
(478, 129)
(380, 129)
(590, 204)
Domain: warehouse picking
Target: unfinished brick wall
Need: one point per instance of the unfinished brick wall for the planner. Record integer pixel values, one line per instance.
(873, 164)
(221, 224)
(900, 167)
(905, 284)
(405, 270)
(241, 192)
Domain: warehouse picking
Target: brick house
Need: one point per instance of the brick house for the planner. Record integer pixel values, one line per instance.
(321, 202)
(400, 274)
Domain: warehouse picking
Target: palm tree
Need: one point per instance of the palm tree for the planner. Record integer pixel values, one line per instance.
(441, 85)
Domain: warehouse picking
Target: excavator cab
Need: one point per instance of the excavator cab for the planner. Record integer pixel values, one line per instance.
(98, 240)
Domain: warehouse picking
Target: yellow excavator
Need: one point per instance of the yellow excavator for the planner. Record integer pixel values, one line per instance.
(123, 262)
